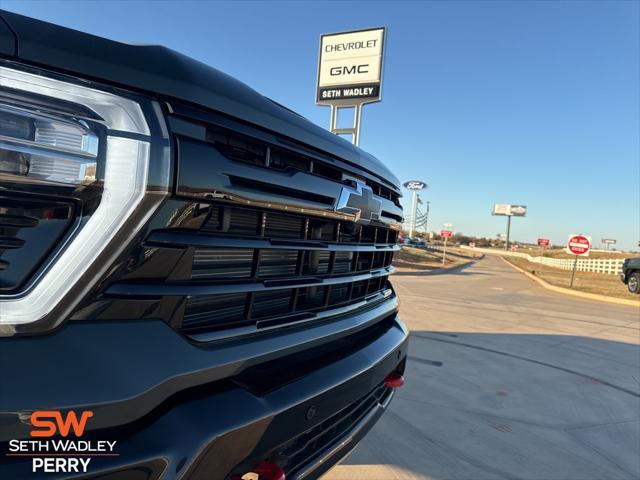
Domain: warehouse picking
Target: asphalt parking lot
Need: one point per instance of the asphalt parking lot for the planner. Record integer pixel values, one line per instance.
(508, 380)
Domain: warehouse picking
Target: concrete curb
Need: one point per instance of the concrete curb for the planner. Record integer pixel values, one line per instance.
(575, 293)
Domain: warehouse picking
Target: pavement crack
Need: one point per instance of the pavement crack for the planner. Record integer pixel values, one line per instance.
(597, 425)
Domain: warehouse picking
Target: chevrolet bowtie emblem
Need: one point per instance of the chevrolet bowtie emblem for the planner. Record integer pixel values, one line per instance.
(359, 201)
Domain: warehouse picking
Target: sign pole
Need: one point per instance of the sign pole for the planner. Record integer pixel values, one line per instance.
(445, 233)
(333, 118)
(426, 220)
(414, 206)
(357, 118)
(444, 251)
(573, 273)
(506, 243)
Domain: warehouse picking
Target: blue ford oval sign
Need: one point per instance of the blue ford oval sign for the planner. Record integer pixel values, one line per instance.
(414, 185)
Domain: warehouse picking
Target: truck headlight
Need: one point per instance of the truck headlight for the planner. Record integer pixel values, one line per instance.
(105, 152)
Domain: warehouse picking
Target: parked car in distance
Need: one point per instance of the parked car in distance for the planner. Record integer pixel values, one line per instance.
(630, 274)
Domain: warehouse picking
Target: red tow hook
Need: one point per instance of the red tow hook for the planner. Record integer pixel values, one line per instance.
(265, 471)
(394, 380)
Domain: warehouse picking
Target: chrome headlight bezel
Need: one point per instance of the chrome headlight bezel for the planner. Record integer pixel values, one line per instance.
(133, 180)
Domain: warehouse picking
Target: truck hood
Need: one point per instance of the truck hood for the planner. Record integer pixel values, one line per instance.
(165, 72)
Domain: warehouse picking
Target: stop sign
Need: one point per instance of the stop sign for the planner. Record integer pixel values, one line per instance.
(579, 244)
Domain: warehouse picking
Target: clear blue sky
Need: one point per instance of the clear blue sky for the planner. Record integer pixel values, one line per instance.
(533, 103)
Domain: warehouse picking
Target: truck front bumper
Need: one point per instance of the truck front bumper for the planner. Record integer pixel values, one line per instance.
(187, 428)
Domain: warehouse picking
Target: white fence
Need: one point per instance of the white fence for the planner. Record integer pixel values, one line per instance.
(609, 266)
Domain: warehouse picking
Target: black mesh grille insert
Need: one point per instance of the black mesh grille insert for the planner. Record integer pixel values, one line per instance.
(219, 263)
(283, 226)
(267, 304)
(278, 263)
(214, 311)
(243, 222)
(342, 262)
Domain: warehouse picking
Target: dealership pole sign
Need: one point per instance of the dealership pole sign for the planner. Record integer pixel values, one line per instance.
(414, 186)
(508, 210)
(350, 66)
(350, 74)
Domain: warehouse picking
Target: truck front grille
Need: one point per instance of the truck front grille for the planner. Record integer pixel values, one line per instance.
(253, 238)
(290, 267)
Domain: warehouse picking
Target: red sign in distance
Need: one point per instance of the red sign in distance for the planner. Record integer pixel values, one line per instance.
(446, 233)
(544, 242)
(579, 245)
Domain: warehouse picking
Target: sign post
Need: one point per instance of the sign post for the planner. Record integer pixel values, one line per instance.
(446, 233)
(543, 242)
(579, 245)
(414, 186)
(505, 209)
(350, 74)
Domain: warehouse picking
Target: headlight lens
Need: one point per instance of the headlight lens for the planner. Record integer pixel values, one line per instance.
(92, 147)
(45, 148)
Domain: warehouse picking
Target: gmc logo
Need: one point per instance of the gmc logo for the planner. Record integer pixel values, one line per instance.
(336, 71)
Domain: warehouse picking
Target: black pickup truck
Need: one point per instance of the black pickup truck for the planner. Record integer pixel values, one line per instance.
(197, 272)
(631, 274)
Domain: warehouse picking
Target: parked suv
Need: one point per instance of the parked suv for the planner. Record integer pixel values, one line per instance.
(201, 269)
(631, 274)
